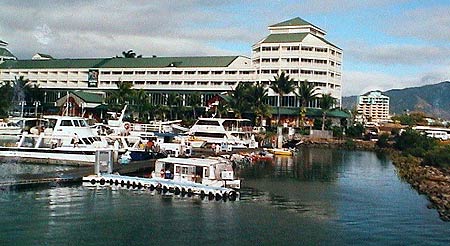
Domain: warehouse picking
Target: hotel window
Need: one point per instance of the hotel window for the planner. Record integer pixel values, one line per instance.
(217, 72)
(230, 83)
(128, 72)
(189, 82)
(140, 72)
(306, 48)
(189, 72)
(163, 82)
(176, 82)
(265, 71)
(274, 71)
(203, 72)
(320, 61)
(216, 83)
(294, 71)
(274, 60)
(152, 72)
(265, 60)
(306, 71)
(164, 72)
(293, 48)
(230, 72)
(139, 82)
(105, 72)
(244, 72)
(321, 50)
(307, 60)
(202, 82)
(117, 72)
(177, 72)
(151, 82)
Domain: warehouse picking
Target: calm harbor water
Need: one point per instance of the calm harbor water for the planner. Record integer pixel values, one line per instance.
(326, 197)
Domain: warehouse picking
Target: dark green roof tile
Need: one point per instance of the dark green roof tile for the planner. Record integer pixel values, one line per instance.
(285, 38)
(151, 62)
(293, 22)
(88, 96)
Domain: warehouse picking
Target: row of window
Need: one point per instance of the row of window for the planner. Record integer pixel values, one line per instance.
(297, 48)
(232, 72)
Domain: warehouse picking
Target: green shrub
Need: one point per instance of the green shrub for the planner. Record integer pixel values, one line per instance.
(414, 143)
(349, 144)
(439, 157)
(383, 140)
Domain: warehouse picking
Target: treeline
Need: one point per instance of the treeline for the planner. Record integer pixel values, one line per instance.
(432, 152)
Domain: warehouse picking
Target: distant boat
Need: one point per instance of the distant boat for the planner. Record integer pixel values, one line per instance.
(286, 152)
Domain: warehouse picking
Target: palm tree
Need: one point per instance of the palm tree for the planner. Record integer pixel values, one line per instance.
(173, 101)
(123, 94)
(282, 85)
(130, 54)
(140, 102)
(258, 98)
(306, 92)
(195, 101)
(239, 99)
(327, 102)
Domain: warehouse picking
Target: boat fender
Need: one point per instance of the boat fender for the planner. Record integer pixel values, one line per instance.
(122, 183)
(92, 181)
(189, 192)
(177, 190)
(152, 187)
(111, 181)
(224, 196)
(116, 182)
(102, 181)
(210, 196)
(232, 196)
(164, 189)
(139, 185)
(158, 186)
(128, 183)
(218, 197)
(202, 194)
(183, 191)
(171, 189)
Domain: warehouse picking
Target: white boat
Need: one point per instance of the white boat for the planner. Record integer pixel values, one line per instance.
(66, 140)
(9, 128)
(219, 130)
(214, 172)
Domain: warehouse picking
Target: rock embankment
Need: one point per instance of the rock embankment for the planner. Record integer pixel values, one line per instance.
(430, 181)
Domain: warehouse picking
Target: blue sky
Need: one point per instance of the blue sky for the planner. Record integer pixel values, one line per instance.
(387, 44)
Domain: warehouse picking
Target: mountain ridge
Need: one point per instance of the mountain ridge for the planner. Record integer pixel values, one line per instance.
(432, 99)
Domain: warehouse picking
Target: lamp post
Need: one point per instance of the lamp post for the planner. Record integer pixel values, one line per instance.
(36, 105)
(22, 104)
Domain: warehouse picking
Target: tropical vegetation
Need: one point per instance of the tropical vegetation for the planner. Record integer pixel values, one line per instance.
(282, 84)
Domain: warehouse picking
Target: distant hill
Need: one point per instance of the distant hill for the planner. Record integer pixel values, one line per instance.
(433, 99)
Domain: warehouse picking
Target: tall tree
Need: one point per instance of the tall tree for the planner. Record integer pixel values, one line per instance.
(130, 54)
(195, 101)
(258, 97)
(239, 99)
(173, 101)
(140, 102)
(306, 92)
(282, 85)
(327, 102)
(123, 95)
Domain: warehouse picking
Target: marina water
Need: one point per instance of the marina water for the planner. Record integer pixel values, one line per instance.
(321, 196)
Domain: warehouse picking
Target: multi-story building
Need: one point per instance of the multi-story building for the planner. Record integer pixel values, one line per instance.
(295, 46)
(373, 106)
(300, 50)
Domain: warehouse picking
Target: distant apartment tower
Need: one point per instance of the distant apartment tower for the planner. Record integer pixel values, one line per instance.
(374, 106)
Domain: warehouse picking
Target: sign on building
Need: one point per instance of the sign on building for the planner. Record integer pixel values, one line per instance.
(93, 78)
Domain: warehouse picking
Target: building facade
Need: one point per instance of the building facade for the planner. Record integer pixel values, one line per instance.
(373, 106)
(5, 54)
(295, 47)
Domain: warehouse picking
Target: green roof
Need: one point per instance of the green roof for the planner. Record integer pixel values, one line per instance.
(151, 62)
(285, 38)
(5, 52)
(89, 97)
(293, 22)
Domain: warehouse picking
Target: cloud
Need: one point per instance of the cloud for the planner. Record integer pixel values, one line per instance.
(395, 54)
(185, 26)
(357, 82)
(328, 6)
(429, 23)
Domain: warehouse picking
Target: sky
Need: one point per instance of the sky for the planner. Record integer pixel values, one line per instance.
(386, 44)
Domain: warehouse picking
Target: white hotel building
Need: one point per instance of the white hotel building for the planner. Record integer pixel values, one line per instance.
(295, 46)
(374, 106)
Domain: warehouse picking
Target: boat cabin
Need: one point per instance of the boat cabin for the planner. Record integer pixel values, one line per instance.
(216, 172)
